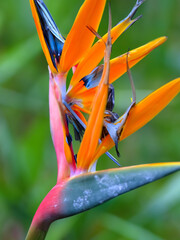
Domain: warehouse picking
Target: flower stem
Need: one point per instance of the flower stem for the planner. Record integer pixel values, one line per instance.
(36, 233)
(48, 211)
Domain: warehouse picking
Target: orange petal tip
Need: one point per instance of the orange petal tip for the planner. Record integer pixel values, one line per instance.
(149, 107)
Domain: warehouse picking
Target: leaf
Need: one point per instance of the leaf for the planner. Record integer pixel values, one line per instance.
(66, 225)
(160, 202)
(16, 58)
(127, 229)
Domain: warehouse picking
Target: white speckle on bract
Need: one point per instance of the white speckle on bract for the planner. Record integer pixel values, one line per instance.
(82, 201)
(112, 186)
(103, 181)
(108, 186)
(106, 180)
(78, 203)
(148, 177)
(87, 192)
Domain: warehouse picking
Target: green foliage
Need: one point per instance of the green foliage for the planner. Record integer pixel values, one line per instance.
(27, 157)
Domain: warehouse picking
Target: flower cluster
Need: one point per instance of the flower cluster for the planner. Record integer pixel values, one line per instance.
(90, 91)
(78, 53)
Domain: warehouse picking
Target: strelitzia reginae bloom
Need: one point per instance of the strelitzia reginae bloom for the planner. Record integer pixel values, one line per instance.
(79, 187)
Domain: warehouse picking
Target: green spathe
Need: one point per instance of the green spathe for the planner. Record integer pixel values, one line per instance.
(85, 191)
(89, 190)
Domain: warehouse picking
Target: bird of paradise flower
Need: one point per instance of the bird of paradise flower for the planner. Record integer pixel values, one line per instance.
(78, 188)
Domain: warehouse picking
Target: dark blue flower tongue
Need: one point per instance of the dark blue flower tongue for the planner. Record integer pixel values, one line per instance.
(114, 125)
(92, 80)
(54, 39)
(111, 98)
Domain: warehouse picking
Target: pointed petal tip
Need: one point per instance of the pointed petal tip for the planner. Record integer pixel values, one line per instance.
(80, 39)
(118, 64)
(142, 113)
(95, 54)
(150, 106)
(162, 39)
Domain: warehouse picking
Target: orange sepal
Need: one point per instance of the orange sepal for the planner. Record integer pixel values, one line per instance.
(81, 116)
(149, 107)
(78, 108)
(96, 53)
(142, 113)
(41, 36)
(95, 123)
(93, 130)
(80, 39)
(118, 66)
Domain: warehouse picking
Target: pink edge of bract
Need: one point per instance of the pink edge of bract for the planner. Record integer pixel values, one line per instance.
(57, 133)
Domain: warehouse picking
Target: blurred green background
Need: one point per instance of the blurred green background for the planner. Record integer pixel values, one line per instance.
(27, 157)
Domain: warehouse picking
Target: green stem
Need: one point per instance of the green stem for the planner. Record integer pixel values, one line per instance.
(36, 233)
